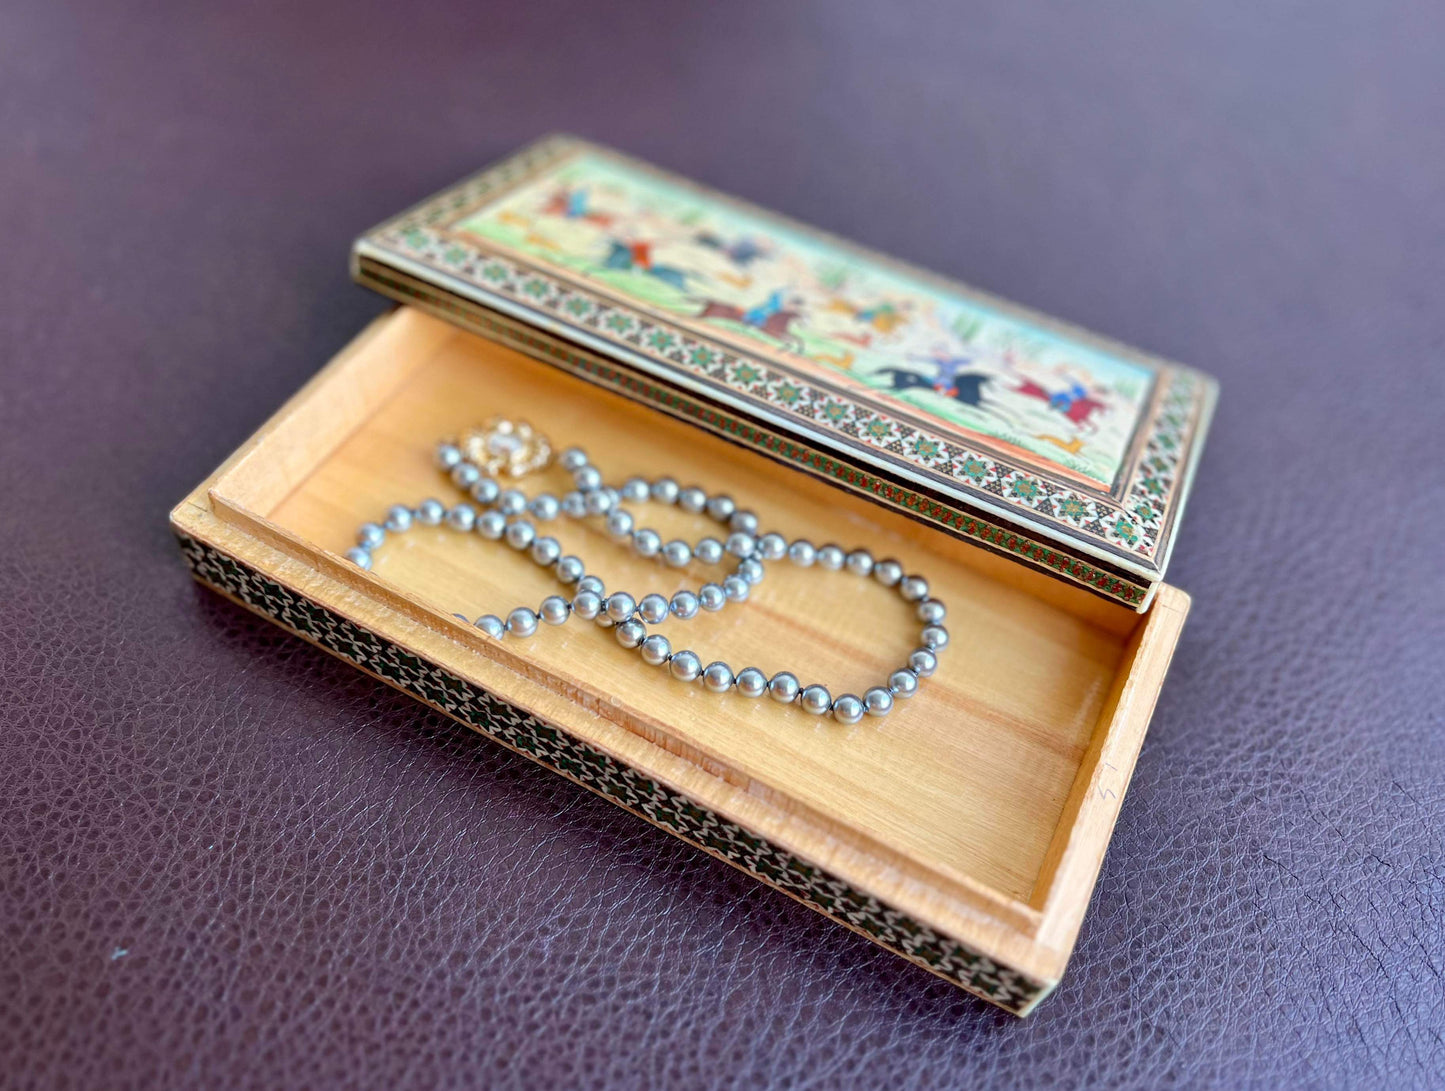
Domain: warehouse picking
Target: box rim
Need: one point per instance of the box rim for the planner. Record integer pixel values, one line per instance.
(970, 961)
(194, 519)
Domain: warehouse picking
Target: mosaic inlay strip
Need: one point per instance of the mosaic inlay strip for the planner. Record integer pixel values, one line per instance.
(551, 746)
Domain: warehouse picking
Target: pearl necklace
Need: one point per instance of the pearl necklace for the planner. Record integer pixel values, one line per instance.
(511, 448)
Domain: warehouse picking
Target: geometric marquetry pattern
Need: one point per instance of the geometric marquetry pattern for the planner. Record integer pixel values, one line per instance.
(551, 746)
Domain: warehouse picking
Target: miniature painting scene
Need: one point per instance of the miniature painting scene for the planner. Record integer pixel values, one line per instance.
(834, 314)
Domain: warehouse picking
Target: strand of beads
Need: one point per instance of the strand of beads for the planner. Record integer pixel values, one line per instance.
(592, 498)
(784, 687)
(505, 517)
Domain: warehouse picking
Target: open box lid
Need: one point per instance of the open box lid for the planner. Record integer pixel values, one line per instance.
(1039, 441)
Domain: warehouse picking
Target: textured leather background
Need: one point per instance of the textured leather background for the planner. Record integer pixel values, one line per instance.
(226, 859)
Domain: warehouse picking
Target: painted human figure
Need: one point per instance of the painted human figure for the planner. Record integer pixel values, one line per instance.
(637, 256)
(574, 204)
(773, 316)
(1074, 403)
(741, 252)
(950, 379)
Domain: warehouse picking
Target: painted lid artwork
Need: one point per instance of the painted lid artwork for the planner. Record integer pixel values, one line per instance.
(966, 366)
(1024, 416)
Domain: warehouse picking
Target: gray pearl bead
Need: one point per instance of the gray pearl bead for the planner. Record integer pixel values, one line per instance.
(486, 491)
(621, 606)
(492, 625)
(587, 604)
(520, 534)
(430, 513)
(677, 554)
(465, 475)
(545, 551)
(619, 526)
(741, 545)
(664, 490)
(692, 499)
(903, 683)
(656, 649)
(708, 550)
(574, 505)
(751, 682)
(587, 478)
(888, 572)
(545, 506)
(784, 687)
(448, 455)
(630, 633)
(398, 518)
(554, 609)
(635, 490)
(772, 546)
(913, 588)
(572, 459)
(370, 536)
(511, 502)
(491, 524)
(878, 701)
(712, 597)
(830, 557)
(751, 570)
(462, 517)
(931, 611)
(816, 699)
(721, 507)
(736, 588)
(593, 584)
(521, 622)
(653, 608)
(923, 662)
(935, 637)
(646, 543)
(718, 677)
(570, 569)
(847, 709)
(685, 666)
(684, 605)
(802, 553)
(599, 501)
(744, 522)
(359, 557)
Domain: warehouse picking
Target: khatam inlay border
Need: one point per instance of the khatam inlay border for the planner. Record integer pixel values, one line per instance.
(1135, 528)
(551, 746)
(1002, 539)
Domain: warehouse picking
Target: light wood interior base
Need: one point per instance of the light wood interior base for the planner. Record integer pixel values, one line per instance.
(981, 807)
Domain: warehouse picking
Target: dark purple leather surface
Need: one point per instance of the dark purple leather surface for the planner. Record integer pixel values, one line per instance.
(226, 859)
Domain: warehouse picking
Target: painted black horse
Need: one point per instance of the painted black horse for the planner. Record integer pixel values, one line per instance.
(950, 380)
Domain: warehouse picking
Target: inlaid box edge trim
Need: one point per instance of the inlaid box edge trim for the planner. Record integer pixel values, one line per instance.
(554, 748)
(990, 533)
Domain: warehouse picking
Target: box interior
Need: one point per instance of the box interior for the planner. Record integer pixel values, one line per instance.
(980, 785)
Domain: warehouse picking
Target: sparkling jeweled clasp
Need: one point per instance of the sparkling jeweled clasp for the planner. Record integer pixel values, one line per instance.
(504, 446)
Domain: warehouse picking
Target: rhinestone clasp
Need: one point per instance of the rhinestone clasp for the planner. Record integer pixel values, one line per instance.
(504, 446)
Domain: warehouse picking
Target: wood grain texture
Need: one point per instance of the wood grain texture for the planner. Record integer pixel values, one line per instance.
(982, 806)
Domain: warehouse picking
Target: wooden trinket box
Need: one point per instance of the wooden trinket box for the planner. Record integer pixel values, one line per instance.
(1033, 472)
